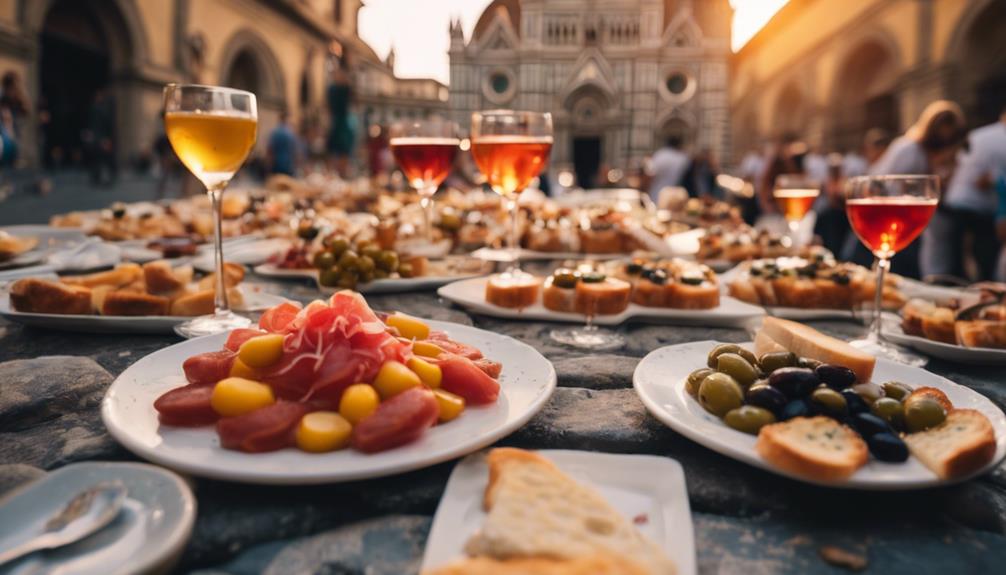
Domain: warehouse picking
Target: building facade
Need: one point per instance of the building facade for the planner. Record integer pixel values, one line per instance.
(868, 63)
(618, 76)
(65, 51)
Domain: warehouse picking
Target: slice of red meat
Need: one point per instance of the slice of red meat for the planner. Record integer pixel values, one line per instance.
(492, 368)
(267, 429)
(450, 346)
(186, 406)
(462, 377)
(275, 319)
(241, 335)
(398, 421)
(208, 368)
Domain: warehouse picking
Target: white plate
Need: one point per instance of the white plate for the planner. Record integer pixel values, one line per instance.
(148, 534)
(525, 255)
(255, 300)
(527, 382)
(626, 481)
(471, 294)
(659, 382)
(956, 353)
(390, 285)
(49, 239)
(249, 252)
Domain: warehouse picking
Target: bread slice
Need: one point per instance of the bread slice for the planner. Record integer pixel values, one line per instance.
(233, 275)
(202, 302)
(33, 295)
(981, 333)
(764, 344)
(161, 279)
(133, 304)
(806, 341)
(513, 293)
(933, 393)
(608, 297)
(818, 448)
(959, 446)
(536, 511)
(123, 274)
(591, 565)
(558, 298)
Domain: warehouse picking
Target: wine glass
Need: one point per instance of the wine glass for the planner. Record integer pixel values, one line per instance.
(511, 148)
(425, 150)
(888, 213)
(795, 195)
(212, 130)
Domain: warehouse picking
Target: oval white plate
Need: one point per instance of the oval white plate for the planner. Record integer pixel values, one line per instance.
(147, 535)
(255, 300)
(471, 294)
(956, 353)
(390, 285)
(659, 382)
(527, 382)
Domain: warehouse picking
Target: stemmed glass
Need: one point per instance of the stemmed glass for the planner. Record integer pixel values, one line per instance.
(795, 194)
(888, 213)
(212, 130)
(425, 151)
(511, 148)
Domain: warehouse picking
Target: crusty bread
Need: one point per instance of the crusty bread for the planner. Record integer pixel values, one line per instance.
(123, 274)
(602, 298)
(34, 295)
(591, 565)
(934, 393)
(233, 275)
(806, 341)
(981, 333)
(684, 296)
(536, 511)
(513, 294)
(818, 448)
(764, 344)
(161, 279)
(558, 299)
(201, 302)
(12, 246)
(132, 304)
(959, 446)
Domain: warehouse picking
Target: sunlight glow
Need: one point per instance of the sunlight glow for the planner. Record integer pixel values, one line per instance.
(749, 17)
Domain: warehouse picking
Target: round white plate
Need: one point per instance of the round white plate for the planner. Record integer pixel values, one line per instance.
(526, 383)
(390, 285)
(956, 353)
(255, 300)
(525, 255)
(659, 381)
(147, 536)
(471, 294)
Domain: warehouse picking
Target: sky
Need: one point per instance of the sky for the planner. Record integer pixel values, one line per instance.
(418, 29)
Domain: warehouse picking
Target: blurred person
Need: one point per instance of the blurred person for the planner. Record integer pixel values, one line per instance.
(668, 165)
(168, 164)
(815, 164)
(99, 138)
(341, 133)
(927, 148)
(12, 97)
(787, 158)
(379, 157)
(700, 178)
(832, 225)
(283, 148)
(8, 140)
(968, 208)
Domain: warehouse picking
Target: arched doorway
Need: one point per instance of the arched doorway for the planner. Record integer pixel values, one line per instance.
(244, 73)
(864, 95)
(979, 48)
(587, 107)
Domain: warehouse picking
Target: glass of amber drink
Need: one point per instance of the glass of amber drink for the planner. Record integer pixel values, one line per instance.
(795, 195)
(425, 150)
(212, 129)
(888, 213)
(511, 148)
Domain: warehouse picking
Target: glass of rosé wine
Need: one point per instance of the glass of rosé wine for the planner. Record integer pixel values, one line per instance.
(425, 150)
(888, 213)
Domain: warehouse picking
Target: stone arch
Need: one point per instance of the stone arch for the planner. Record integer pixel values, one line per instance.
(119, 19)
(247, 51)
(676, 122)
(863, 94)
(977, 49)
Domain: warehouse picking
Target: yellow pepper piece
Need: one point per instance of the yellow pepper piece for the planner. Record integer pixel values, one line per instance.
(237, 396)
(408, 326)
(451, 405)
(428, 372)
(426, 349)
(241, 369)
(261, 351)
(321, 431)
(358, 401)
(394, 378)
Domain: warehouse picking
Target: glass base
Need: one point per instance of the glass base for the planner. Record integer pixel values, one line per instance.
(211, 324)
(885, 350)
(588, 338)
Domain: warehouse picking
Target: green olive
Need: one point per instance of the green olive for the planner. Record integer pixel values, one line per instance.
(737, 367)
(719, 393)
(695, 379)
(405, 270)
(366, 276)
(372, 252)
(730, 348)
(565, 278)
(380, 274)
(366, 264)
(749, 419)
(329, 277)
(772, 361)
(896, 390)
(870, 392)
(349, 260)
(323, 260)
(921, 413)
(338, 246)
(829, 401)
(348, 280)
(890, 410)
(387, 260)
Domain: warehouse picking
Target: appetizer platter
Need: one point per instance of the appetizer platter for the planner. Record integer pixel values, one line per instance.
(27, 245)
(811, 407)
(673, 291)
(493, 500)
(325, 393)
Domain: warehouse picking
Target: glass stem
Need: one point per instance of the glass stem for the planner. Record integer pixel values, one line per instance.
(513, 243)
(878, 299)
(426, 202)
(220, 296)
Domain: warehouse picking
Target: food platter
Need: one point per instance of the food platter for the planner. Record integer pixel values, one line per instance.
(390, 285)
(470, 294)
(527, 380)
(625, 481)
(659, 379)
(938, 349)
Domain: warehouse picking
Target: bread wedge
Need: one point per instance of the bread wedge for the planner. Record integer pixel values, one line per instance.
(123, 274)
(933, 393)
(512, 293)
(592, 565)
(161, 279)
(202, 302)
(125, 303)
(959, 446)
(34, 295)
(806, 341)
(536, 511)
(817, 448)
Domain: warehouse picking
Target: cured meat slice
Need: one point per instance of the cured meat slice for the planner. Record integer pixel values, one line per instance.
(450, 346)
(462, 377)
(208, 368)
(186, 406)
(241, 335)
(267, 429)
(275, 319)
(492, 368)
(399, 420)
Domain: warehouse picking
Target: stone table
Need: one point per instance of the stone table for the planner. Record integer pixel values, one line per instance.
(745, 520)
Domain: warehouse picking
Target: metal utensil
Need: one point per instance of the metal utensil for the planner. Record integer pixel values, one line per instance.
(89, 511)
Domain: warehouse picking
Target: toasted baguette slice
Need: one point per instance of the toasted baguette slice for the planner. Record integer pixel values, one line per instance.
(806, 341)
(684, 296)
(123, 274)
(233, 275)
(604, 298)
(981, 333)
(818, 448)
(591, 565)
(557, 298)
(934, 393)
(33, 295)
(512, 293)
(162, 279)
(536, 511)
(133, 304)
(202, 302)
(960, 445)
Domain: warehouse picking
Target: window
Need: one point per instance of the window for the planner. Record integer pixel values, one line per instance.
(678, 86)
(499, 82)
(499, 85)
(676, 83)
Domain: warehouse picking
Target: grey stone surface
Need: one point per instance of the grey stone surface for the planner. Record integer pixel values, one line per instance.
(14, 475)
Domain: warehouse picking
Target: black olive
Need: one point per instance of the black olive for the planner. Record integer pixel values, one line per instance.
(658, 277)
(887, 447)
(766, 397)
(796, 408)
(593, 277)
(841, 279)
(869, 425)
(794, 381)
(856, 403)
(634, 268)
(835, 376)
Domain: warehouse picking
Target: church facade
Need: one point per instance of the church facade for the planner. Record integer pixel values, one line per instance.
(618, 76)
